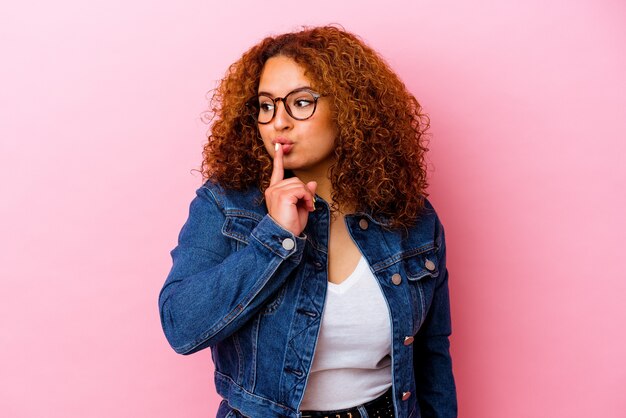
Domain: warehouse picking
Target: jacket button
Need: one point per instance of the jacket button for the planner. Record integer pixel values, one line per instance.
(408, 340)
(363, 224)
(430, 265)
(288, 244)
(406, 395)
(396, 279)
(318, 266)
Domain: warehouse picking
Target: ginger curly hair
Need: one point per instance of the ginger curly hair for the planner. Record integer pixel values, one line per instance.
(380, 149)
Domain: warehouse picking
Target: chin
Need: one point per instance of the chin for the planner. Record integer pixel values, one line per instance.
(291, 166)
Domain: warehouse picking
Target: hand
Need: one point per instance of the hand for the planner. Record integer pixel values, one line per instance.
(289, 201)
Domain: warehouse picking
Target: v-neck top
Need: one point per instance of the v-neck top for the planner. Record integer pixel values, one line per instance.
(352, 359)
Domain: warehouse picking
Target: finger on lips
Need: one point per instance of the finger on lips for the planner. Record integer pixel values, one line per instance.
(278, 173)
(278, 181)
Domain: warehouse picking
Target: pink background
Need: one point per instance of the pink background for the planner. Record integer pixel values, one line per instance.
(100, 127)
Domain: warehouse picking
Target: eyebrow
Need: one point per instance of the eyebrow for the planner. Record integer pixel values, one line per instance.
(297, 88)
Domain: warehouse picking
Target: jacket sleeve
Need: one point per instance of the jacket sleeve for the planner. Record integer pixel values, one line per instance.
(211, 291)
(436, 390)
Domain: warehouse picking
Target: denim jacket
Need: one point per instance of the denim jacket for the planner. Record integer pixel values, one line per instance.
(254, 293)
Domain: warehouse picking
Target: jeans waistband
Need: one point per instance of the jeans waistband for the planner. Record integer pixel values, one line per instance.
(381, 407)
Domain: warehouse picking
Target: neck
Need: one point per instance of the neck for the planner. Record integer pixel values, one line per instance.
(324, 189)
(324, 186)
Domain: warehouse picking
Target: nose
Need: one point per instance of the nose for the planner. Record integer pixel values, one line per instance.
(282, 120)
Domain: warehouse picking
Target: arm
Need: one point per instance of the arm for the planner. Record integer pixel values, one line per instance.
(432, 363)
(210, 292)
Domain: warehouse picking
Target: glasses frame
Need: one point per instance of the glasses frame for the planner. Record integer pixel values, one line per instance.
(255, 103)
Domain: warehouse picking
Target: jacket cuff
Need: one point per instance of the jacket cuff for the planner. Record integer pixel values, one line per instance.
(279, 240)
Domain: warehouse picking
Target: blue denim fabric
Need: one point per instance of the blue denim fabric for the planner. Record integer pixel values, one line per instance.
(238, 287)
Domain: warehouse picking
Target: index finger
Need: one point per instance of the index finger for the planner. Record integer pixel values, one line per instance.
(278, 173)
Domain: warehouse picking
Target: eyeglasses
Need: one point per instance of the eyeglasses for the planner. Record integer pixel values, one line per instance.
(300, 104)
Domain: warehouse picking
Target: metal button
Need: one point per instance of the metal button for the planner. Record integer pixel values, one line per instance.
(429, 265)
(408, 340)
(363, 224)
(406, 395)
(396, 279)
(288, 244)
(318, 266)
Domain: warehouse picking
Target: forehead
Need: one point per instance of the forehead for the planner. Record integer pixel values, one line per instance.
(281, 75)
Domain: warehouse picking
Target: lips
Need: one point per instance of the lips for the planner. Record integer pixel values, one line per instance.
(287, 145)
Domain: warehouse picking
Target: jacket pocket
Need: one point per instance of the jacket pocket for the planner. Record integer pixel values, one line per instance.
(422, 271)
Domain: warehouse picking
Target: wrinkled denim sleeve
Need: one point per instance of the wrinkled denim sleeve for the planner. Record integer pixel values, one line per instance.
(211, 290)
(436, 390)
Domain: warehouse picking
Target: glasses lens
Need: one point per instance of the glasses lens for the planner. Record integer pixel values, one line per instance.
(301, 104)
(266, 109)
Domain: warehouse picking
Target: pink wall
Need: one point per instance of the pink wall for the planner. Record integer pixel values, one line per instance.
(100, 128)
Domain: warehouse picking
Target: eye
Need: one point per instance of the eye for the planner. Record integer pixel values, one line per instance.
(266, 106)
(303, 102)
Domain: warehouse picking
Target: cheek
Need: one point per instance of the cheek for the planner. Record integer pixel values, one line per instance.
(267, 143)
(328, 134)
(327, 128)
(264, 134)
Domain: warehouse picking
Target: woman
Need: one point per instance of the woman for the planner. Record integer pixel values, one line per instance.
(311, 263)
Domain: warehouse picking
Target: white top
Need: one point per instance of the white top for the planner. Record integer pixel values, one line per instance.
(352, 360)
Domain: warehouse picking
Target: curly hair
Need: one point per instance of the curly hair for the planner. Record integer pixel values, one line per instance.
(380, 149)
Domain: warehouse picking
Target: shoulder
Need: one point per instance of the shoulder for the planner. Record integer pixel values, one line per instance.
(232, 201)
(431, 218)
(426, 221)
(427, 229)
